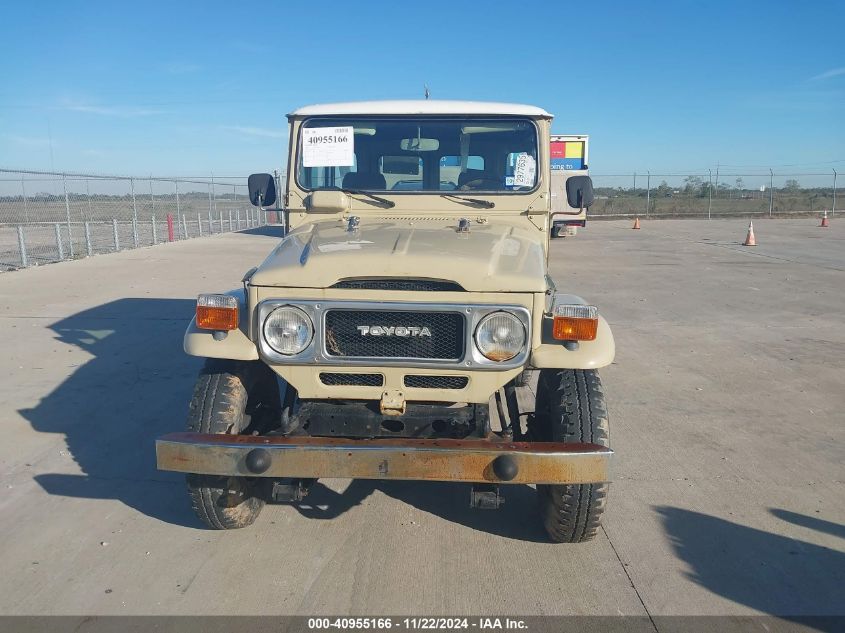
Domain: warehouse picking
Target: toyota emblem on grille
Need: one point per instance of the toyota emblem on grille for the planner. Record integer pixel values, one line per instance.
(393, 330)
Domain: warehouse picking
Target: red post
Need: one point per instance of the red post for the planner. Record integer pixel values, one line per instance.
(170, 236)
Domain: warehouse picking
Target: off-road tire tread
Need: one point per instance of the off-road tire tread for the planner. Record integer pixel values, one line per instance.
(217, 406)
(571, 409)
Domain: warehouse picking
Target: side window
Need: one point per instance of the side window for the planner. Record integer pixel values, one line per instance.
(450, 168)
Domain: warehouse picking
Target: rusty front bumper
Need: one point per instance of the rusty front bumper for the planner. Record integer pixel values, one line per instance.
(477, 460)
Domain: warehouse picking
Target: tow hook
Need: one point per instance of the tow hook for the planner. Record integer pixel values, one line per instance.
(485, 497)
(392, 403)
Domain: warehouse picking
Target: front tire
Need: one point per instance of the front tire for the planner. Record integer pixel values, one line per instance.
(570, 408)
(230, 397)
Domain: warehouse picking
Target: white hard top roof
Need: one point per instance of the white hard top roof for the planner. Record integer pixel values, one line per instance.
(421, 106)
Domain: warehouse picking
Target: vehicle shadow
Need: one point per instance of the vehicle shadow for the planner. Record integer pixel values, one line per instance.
(135, 386)
(517, 519)
(768, 572)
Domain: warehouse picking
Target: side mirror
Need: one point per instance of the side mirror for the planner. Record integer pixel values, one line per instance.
(579, 191)
(262, 189)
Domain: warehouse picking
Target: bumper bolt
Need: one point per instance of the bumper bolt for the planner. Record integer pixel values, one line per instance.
(257, 461)
(505, 468)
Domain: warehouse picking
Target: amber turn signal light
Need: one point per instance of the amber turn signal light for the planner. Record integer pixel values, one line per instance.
(575, 322)
(217, 312)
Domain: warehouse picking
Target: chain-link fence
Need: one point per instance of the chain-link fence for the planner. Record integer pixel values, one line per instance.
(49, 217)
(714, 194)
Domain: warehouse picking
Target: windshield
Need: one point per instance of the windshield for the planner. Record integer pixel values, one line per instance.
(422, 154)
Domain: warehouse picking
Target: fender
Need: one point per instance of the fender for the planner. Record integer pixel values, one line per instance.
(589, 355)
(235, 346)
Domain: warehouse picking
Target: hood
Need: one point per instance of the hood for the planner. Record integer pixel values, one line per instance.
(496, 256)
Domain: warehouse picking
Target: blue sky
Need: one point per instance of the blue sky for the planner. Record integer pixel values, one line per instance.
(182, 88)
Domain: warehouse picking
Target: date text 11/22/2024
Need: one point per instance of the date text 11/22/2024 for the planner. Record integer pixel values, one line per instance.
(414, 624)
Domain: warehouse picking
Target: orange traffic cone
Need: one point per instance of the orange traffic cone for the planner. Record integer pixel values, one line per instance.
(825, 222)
(636, 224)
(749, 239)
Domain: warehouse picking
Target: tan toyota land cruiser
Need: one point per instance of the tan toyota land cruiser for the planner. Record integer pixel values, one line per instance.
(405, 327)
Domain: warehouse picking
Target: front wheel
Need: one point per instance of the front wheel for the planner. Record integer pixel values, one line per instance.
(570, 408)
(231, 398)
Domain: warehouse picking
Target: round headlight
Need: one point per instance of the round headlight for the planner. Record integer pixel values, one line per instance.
(288, 330)
(500, 336)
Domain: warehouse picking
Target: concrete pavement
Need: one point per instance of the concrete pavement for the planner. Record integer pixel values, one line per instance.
(726, 403)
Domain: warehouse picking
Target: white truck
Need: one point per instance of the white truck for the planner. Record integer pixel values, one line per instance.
(569, 157)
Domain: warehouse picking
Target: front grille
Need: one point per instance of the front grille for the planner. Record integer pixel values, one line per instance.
(409, 285)
(344, 339)
(436, 382)
(356, 380)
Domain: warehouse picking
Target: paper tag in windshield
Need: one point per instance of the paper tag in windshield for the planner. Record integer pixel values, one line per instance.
(328, 146)
(525, 171)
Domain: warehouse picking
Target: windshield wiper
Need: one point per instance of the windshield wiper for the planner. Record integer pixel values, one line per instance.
(388, 203)
(474, 201)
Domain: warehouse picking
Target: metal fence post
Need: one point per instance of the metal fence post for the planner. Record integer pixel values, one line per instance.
(155, 234)
(214, 196)
(833, 211)
(717, 179)
(22, 248)
(114, 231)
(88, 197)
(25, 208)
(221, 220)
(230, 220)
(59, 246)
(67, 210)
(238, 218)
(152, 197)
(178, 210)
(184, 228)
(648, 193)
(709, 192)
(88, 245)
(210, 225)
(209, 205)
(199, 224)
(771, 192)
(134, 213)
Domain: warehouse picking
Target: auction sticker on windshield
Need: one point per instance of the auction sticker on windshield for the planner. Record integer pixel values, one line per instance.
(328, 147)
